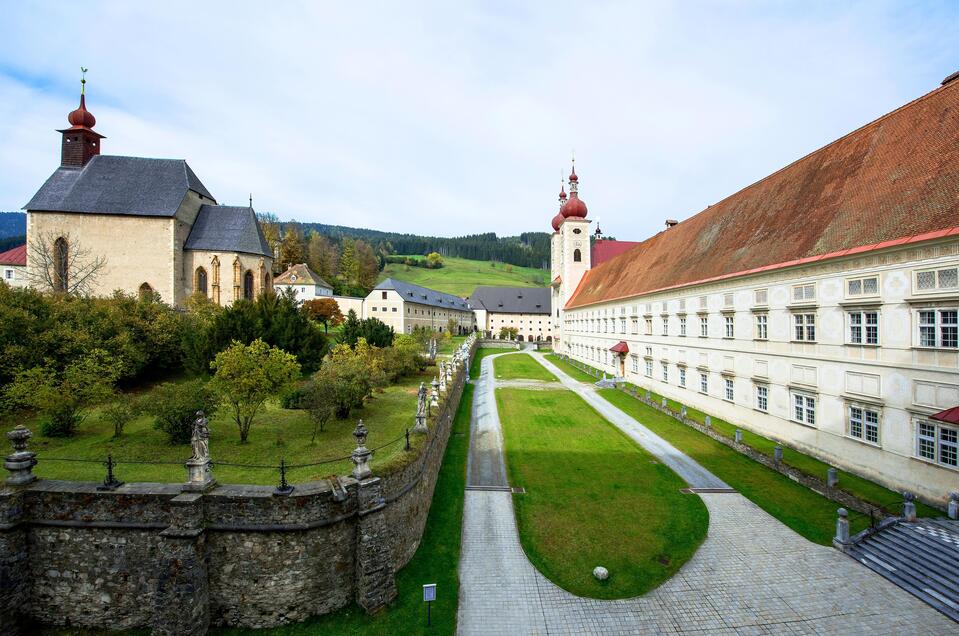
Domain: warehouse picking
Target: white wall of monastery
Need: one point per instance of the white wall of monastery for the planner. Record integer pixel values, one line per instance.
(899, 379)
(390, 307)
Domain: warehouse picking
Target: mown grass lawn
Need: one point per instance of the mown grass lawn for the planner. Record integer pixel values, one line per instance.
(809, 514)
(460, 276)
(521, 366)
(482, 352)
(593, 497)
(277, 433)
(569, 369)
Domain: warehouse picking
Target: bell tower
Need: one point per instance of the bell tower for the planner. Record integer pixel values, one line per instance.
(570, 249)
(80, 142)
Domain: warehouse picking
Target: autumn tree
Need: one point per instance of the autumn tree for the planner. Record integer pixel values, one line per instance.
(322, 256)
(246, 376)
(325, 311)
(434, 260)
(270, 225)
(291, 247)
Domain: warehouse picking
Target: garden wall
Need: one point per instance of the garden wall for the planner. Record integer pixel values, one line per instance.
(153, 556)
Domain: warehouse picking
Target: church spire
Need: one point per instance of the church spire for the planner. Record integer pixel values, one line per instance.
(80, 142)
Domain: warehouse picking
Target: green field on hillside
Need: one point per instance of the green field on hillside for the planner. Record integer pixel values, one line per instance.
(460, 276)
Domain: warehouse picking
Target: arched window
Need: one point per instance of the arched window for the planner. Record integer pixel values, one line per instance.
(61, 264)
(146, 292)
(248, 285)
(577, 257)
(199, 281)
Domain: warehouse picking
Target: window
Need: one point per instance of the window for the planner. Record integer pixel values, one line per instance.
(199, 282)
(682, 377)
(577, 256)
(704, 383)
(728, 382)
(863, 424)
(762, 397)
(634, 360)
(939, 328)
(383, 295)
(862, 286)
(730, 328)
(937, 443)
(805, 327)
(682, 325)
(394, 309)
(635, 325)
(762, 326)
(649, 326)
(649, 352)
(622, 325)
(649, 368)
(936, 279)
(248, 285)
(665, 372)
(8, 273)
(703, 326)
(61, 264)
(804, 409)
(864, 327)
(804, 293)
(665, 325)
(760, 297)
(374, 308)
(146, 292)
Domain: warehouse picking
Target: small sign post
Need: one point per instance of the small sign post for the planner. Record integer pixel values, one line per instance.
(429, 595)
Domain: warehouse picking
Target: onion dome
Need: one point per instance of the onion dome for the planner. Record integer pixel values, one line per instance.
(557, 221)
(572, 177)
(562, 194)
(574, 207)
(81, 117)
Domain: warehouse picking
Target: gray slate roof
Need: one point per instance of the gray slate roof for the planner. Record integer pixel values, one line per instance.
(512, 300)
(119, 185)
(423, 295)
(227, 228)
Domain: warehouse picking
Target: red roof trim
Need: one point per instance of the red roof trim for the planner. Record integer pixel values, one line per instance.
(620, 347)
(15, 256)
(928, 236)
(950, 416)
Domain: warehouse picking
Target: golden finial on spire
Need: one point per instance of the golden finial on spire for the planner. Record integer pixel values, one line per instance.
(83, 80)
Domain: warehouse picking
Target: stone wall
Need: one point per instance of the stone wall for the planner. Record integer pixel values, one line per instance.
(152, 556)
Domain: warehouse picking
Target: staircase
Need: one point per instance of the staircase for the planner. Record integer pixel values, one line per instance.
(920, 557)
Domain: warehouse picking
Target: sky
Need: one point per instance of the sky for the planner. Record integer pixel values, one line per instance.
(450, 118)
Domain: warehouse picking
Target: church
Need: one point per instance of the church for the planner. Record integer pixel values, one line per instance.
(142, 226)
(817, 307)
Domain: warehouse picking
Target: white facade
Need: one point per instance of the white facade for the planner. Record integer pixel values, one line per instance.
(844, 359)
(305, 292)
(14, 275)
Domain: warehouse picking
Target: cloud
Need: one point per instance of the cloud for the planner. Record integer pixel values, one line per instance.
(451, 118)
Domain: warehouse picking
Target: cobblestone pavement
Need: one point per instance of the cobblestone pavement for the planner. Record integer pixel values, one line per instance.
(752, 575)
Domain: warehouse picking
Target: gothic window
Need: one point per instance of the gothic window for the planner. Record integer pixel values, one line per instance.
(248, 285)
(61, 264)
(146, 292)
(200, 282)
(577, 256)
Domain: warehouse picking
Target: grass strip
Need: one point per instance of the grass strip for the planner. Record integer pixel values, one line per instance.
(593, 497)
(521, 366)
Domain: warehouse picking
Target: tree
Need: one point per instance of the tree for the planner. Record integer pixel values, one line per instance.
(270, 225)
(325, 311)
(508, 333)
(174, 405)
(349, 267)
(373, 330)
(61, 396)
(322, 256)
(367, 265)
(451, 326)
(348, 377)
(404, 357)
(291, 247)
(60, 263)
(247, 375)
(119, 413)
(434, 260)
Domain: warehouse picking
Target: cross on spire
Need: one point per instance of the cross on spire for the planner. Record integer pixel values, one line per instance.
(83, 80)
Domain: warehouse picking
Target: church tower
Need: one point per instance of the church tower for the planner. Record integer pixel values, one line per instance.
(570, 249)
(80, 142)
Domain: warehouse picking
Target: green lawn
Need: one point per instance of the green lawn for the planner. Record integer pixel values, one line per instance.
(436, 561)
(521, 366)
(277, 433)
(460, 276)
(483, 352)
(448, 346)
(593, 497)
(569, 369)
(811, 515)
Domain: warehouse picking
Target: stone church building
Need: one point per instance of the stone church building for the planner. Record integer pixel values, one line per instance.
(817, 307)
(153, 223)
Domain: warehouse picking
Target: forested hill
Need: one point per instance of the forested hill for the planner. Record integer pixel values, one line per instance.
(530, 249)
(13, 224)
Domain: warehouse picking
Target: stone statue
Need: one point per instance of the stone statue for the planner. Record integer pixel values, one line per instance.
(200, 441)
(421, 400)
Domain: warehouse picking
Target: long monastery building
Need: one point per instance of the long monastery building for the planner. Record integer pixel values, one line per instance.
(818, 306)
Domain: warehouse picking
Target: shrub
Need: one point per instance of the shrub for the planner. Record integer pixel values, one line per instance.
(119, 412)
(293, 399)
(404, 357)
(374, 331)
(61, 420)
(174, 407)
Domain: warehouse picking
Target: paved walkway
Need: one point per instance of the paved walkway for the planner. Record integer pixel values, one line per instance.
(752, 575)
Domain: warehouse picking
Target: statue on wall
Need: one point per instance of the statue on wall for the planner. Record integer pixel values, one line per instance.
(200, 440)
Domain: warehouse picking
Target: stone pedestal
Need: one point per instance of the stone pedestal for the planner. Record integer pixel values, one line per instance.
(375, 582)
(841, 540)
(953, 509)
(182, 602)
(14, 566)
(832, 477)
(21, 461)
(199, 476)
(420, 426)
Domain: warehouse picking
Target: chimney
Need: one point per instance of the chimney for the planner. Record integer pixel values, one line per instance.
(671, 223)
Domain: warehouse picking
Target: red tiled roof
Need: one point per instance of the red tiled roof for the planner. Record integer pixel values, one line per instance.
(949, 415)
(620, 347)
(605, 250)
(892, 181)
(15, 256)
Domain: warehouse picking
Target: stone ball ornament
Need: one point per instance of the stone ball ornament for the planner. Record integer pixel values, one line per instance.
(600, 573)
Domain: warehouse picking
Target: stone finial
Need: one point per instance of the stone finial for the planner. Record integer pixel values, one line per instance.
(778, 453)
(739, 436)
(21, 461)
(832, 477)
(953, 505)
(664, 402)
(361, 454)
(842, 528)
(908, 507)
(682, 411)
(708, 421)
